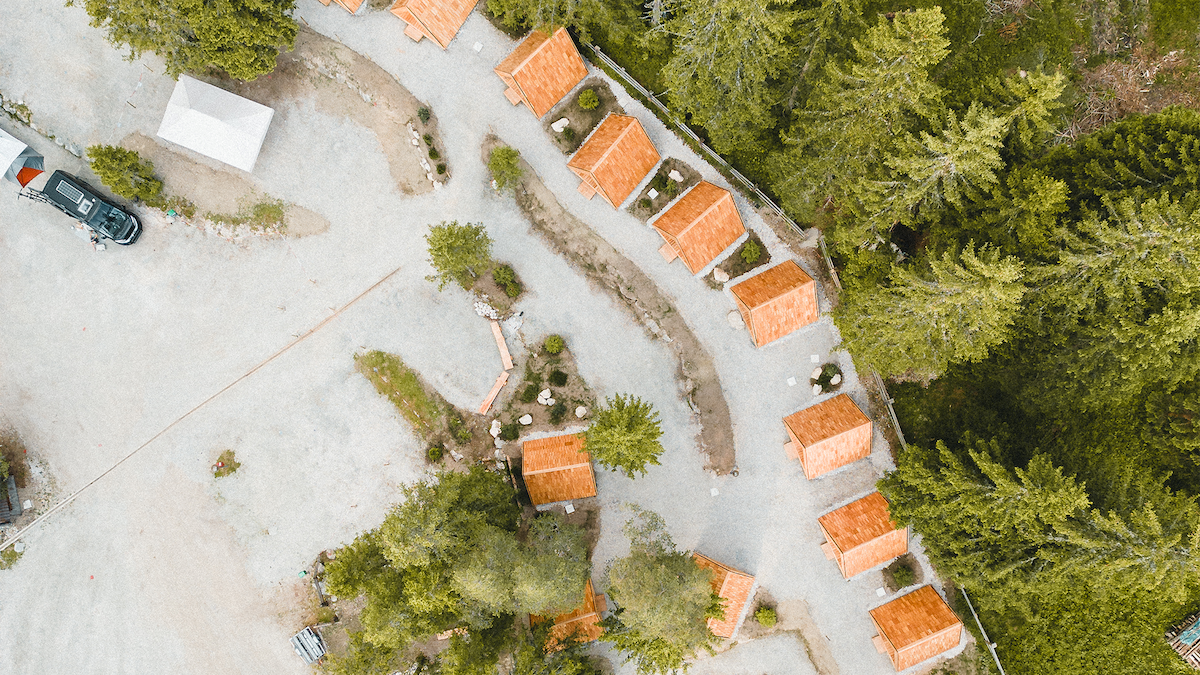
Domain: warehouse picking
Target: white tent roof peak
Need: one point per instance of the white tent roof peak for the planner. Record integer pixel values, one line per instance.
(215, 123)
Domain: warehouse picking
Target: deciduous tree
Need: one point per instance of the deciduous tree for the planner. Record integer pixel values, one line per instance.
(458, 253)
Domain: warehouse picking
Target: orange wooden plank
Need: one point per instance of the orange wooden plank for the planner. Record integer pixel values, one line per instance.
(505, 358)
(500, 382)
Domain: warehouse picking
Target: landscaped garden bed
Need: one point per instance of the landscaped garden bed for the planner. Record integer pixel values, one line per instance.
(750, 255)
(582, 120)
(645, 207)
(543, 370)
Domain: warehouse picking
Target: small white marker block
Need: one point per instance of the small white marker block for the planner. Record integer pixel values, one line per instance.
(816, 358)
(570, 507)
(880, 592)
(478, 47)
(714, 492)
(653, 194)
(791, 381)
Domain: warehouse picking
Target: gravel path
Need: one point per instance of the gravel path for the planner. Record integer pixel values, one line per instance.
(159, 568)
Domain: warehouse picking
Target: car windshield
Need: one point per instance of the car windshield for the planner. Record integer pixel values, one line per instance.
(108, 220)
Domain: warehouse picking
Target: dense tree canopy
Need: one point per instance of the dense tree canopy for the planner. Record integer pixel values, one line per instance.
(240, 37)
(624, 435)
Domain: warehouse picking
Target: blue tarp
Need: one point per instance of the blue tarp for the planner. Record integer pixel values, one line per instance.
(1191, 636)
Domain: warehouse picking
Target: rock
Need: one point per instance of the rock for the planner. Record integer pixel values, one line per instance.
(495, 430)
(457, 456)
(526, 420)
(816, 390)
(546, 393)
(416, 142)
(735, 319)
(836, 379)
(816, 373)
(478, 46)
(19, 547)
(652, 194)
(581, 412)
(560, 125)
(498, 443)
(720, 275)
(675, 176)
(425, 165)
(550, 401)
(27, 505)
(414, 132)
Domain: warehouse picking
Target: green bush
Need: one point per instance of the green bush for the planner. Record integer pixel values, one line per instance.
(512, 290)
(510, 431)
(555, 344)
(504, 275)
(751, 252)
(903, 575)
(505, 165)
(423, 114)
(458, 429)
(659, 182)
(569, 134)
(766, 617)
(557, 412)
(557, 378)
(529, 393)
(435, 452)
(434, 154)
(645, 203)
(126, 173)
(428, 139)
(441, 168)
(588, 100)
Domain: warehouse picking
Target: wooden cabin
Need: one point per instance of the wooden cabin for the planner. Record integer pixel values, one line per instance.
(699, 226)
(861, 535)
(614, 159)
(542, 70)
(736, 588)
(828, 435)
(915, 627)
(581, 624)
(776, 302)
(438, 20)
(557, 469)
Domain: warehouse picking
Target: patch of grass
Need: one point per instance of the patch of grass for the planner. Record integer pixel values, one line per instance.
(428, 139)
(825, 379)
(568, 134)
(529, 393)
(510, 431)
(325, 615)
(13, 457)
(903, 576)
(506, 278)
(1174, 24)
(558, 412)
(403, 388)
(441, 168)
(766, 617)
(8, 558)
(750, 255)
(434, 154)
(260, 216)
(226, 464)
(557, 378)
(458, 429)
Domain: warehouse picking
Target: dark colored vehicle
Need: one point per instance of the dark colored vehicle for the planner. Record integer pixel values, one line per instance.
(78, 200)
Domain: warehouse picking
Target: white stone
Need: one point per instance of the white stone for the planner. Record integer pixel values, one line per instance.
(816, 390)
(816, 373)
(456, 455)
(675, 176)
(414, 132)
(581, 412)
(27, 504)
(478, 46)
(416, 142)
(735, 319)
(19, 547)
(720, 275)
(546, 393)
(836, 379)
(880, 592)
(815, 358)
(425, 165)
(714, 492)
(542, 400)
(570, 507)
(550, 401)
(526, 420)
(560, 125)
(791, 381)
(495, 430)
(499, 444)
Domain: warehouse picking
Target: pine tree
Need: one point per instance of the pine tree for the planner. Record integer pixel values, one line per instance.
(918, 325)
(240, 37)
(724, 54)
(1031, 99)
(624, 435)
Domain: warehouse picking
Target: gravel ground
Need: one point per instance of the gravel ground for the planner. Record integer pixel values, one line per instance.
(176, 572)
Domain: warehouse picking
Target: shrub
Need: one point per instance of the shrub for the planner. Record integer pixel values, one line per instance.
(659, 182)
(458, 429)
(903, 575)
(423, 114)
(765, 616)
(456, 251)
(228, 464)
(671, 188)
(557, 412)
(512, 290)
(569, 134)
(428, 139)
(588, 100)
(557, 378)
(529, 393)
(510, 431)
(555, 344)
(505, 165)
(434, 154)
(126, 173)
(441, 168)
(645, 203)
(435, 452)
(504, 275)
(751, 252)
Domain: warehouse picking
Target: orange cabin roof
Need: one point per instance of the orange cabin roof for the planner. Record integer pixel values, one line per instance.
(438, 20)
(701, 224)
(615, 158)
(582, 623)
(825, 420)
(911, 618)
(734, 586)
(859, 522)
(776, 302)
(543, 69)
(557, 469)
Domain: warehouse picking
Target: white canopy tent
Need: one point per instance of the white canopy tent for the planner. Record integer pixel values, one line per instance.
(215, 123)
(18, 162)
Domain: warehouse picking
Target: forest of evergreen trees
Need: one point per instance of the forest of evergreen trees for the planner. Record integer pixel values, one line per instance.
(1029, 288)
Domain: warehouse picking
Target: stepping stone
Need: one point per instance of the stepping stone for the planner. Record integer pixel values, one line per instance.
(478, 47)
(816, 390)
(581, 412)
(791, 381)
(526, 419)
(815, 358)
(815, 374)
(836, 379)
(720, 275)
(675, 176)
(714, 492)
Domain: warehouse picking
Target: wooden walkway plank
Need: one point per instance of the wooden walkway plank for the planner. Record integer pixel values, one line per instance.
(500, 382)
(505, 358)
